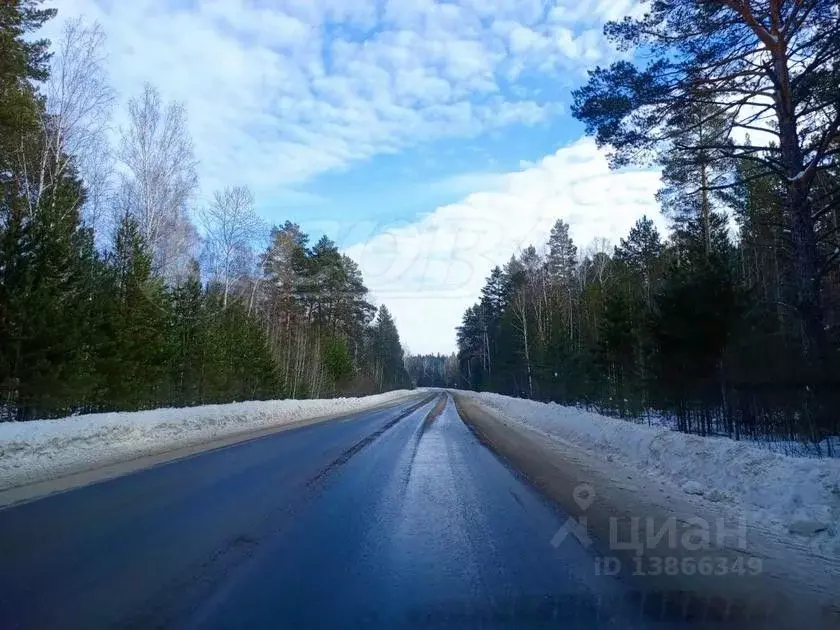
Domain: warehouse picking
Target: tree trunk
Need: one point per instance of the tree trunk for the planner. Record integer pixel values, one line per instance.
(806, 258)
(522, 313)
(528, 361)
(253, 294)
(806, 274)
(704, 210)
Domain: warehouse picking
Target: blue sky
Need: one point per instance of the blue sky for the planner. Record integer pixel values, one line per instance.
(394, 186)
(430, 139)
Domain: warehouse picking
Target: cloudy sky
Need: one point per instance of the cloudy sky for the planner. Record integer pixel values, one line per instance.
(429, 139)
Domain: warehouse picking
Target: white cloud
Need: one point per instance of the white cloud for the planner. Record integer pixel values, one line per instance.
(430, 270)
(577, 11)
(269, 27)
(280, 92)
(526, 11)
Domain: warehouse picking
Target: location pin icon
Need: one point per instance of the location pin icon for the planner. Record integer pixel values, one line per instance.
(584, 495)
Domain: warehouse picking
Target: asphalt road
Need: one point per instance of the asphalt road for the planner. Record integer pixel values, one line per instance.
(391, 518)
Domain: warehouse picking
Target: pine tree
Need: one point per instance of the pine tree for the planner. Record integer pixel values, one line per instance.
(641, 252)
(694, 168)
(704, 53)
(562, 255)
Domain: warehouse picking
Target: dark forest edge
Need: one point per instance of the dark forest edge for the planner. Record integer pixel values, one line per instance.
(110, 300)
(731, 324)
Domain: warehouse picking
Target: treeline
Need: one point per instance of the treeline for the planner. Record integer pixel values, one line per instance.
(653, 325)
(433, 370)
(112, 298)
(730, 324)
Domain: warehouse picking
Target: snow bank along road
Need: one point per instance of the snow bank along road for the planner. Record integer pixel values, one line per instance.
(44, 456)
(394, 517)
(736, 525)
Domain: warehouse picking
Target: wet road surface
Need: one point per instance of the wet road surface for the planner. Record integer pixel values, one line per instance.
(392, 518)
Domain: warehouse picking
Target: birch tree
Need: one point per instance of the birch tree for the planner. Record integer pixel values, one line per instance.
(158, 175)
(79, 103)
(520, 305)
(231, 225)
(73, 123)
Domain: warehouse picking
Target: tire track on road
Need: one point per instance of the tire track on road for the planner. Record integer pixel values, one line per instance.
(345, 456)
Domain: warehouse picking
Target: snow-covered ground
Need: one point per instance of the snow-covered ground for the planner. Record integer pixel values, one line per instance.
(45, 449)
(827, 447)
(797, 497)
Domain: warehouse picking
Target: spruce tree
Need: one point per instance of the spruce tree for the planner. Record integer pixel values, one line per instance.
(189, 339)
(136, 350)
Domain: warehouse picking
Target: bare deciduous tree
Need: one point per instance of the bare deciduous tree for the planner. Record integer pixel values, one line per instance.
(179, 248)
(598, 253)
(97, 170)
(75, 120)
(230, 226)
(158, 175)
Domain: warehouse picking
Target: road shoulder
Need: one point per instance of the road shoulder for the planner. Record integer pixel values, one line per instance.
(622, 502)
